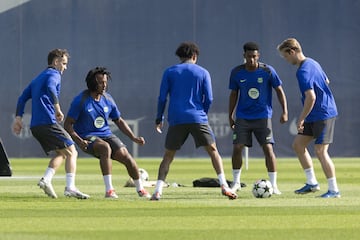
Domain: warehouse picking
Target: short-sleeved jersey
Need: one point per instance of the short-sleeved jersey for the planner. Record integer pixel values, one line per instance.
(254, 90)
(44, 92)
(310, 75)
(190, 94)
(91, 116)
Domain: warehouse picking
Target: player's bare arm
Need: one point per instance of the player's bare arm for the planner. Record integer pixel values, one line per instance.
(282, 100)
(124, 127)
(232, 103)
(309, 102)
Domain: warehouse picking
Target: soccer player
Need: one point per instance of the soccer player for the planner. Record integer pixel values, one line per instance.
(250, 111)
(87, 122)
(316, 120)
(189, 89)
(46, 115)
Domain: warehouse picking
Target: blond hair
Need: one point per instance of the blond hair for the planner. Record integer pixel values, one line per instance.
(289, 44)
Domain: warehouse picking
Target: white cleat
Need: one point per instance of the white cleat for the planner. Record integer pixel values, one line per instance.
(235, 186)
(47, 187)
(75, 193)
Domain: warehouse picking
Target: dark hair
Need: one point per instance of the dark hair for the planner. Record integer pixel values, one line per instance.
(187, 49)
(91, 77)
(57, 53)
(251, 46)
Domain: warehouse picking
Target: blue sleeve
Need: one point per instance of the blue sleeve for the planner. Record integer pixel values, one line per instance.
(75, 108)
(208, 95)
(275, 81)
(162, 99)
(115, 113)
(232, 82)
(304, 80)
(24, 97)
(53, 86)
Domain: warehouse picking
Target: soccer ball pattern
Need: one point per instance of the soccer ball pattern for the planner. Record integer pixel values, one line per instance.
(262, 189)
(144, 176)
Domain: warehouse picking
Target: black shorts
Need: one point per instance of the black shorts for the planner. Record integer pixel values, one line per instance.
(177, 135)
(322, 131)
(52, 137)
(114, 142)
(262, 129)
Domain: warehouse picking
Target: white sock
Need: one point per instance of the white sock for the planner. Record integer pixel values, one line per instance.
(70, 180)
(108, 182)
(138, 185)
(273, 179)
(236, 175)
(49, 174)
(222, 180)
(159, 186)
(333, 184)
(310, 176)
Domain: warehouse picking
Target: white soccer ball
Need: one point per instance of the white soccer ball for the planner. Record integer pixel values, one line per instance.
(262, 189)
(144, 176)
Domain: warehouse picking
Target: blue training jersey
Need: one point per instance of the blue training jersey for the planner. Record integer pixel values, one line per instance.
(44, 91)
(190, 94)
(254, 90)
(92, 117)
(310, 75)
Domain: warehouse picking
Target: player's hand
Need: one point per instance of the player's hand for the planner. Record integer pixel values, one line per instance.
(284, 118)
(59, 116)
(159, 127)
(300, 126)
(232, 123)
(139, 140)
(17, 125)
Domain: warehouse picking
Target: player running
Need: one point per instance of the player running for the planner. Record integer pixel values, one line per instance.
(46, 114)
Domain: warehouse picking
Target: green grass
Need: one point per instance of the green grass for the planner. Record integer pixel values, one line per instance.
(182, 213)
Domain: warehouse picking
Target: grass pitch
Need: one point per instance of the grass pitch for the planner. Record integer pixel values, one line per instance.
(183, 212)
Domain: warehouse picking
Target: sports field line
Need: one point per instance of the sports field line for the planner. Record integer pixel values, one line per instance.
(27, 177)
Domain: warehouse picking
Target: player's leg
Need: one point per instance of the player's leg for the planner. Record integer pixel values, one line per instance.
(175, 138)
(299, 145)
(241, 138)
(101, 149)
(328, 168)
(264, 135)
(204, 136)
(324, 133)
(122, 155)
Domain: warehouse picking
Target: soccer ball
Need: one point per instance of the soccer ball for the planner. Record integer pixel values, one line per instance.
(144, 176)
(262, 189)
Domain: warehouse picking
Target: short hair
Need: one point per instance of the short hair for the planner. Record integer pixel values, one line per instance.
(187, 49)
(251, 46)
(57, 53)
(289, 44)
(91, 77)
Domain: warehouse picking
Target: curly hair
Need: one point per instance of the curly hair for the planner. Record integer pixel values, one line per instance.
(187, 49)
(91, 77)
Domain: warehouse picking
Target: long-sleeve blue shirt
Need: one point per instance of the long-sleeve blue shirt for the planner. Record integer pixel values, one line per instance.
(190, 94)
(44, 91)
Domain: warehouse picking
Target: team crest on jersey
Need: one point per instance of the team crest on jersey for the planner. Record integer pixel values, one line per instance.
(99, 122)
(260, 80)
(253, 93)
(106, 109)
